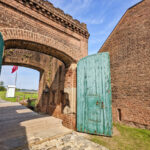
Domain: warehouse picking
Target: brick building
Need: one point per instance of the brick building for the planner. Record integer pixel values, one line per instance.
(129, 48)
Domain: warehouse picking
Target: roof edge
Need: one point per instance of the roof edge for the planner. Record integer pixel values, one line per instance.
(120, 22)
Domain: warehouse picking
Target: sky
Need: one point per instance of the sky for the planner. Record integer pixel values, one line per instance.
(101, 16)
(26, 78)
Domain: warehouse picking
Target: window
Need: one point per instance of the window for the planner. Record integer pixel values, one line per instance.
(119, 114)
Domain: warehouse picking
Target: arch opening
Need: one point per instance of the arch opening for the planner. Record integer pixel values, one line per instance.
(26, 82)
(57, 82)
(21, 44)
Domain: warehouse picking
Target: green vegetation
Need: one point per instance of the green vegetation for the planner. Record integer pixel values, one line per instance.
(1, 83)
(127, 138)
(32, 104)
(18, 96)
(2, 88)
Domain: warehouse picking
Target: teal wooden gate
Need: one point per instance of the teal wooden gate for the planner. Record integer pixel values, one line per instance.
(94, 110)
(1, 50)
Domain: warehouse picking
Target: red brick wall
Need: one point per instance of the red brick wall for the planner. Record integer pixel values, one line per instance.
(21, 15)
(52, 76)
(55, 101)
(129, 48)
(33, 60)
(40, 27)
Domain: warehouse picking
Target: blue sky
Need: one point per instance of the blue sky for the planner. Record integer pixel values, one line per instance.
(101, 16)
(26, 78)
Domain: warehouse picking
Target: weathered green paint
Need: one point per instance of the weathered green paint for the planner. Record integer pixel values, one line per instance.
(94, 106)
(1, 50)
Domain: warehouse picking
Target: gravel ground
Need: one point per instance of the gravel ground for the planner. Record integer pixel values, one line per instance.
(71, 141)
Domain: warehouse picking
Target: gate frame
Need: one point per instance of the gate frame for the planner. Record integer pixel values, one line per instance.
(1, 50)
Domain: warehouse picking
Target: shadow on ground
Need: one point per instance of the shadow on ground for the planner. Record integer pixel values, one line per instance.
(12, 134)
(19, 126)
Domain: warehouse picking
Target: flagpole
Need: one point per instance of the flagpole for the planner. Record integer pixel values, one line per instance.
(16, 79)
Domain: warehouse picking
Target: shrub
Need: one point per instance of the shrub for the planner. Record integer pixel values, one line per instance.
(2, 88)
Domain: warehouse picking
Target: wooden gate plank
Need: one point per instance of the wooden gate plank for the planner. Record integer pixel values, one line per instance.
(94, 114)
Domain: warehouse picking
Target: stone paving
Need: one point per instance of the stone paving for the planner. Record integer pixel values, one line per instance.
(20, 126)
(2, 101)
(23, 129)
(73, 141)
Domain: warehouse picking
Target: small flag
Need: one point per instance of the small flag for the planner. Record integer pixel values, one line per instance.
(15, 68)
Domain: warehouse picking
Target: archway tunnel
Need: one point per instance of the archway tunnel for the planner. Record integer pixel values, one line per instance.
(57, 83)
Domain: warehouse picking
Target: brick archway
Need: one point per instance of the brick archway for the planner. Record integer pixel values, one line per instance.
(54, 75)
(38, 26)
(29, 59)
(24, 39)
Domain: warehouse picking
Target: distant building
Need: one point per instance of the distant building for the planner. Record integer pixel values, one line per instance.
(10, 91)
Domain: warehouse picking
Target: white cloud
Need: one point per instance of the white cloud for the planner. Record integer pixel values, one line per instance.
(73, 7)
(94, 21)
(6, 76)
(105, 30)
(76, 7)
(57, 3)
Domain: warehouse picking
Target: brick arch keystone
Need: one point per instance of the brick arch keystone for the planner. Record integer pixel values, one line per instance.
(24, 39)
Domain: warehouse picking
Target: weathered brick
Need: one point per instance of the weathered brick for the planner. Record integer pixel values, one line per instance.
(39, 29)
(129, 49)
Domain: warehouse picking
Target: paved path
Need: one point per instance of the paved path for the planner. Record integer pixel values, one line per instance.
(20, 126)
(73, 141)
(2, 101)
(23, 129)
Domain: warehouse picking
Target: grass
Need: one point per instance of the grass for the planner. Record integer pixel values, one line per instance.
(128, 139)
(32, 104)
(21, 95)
